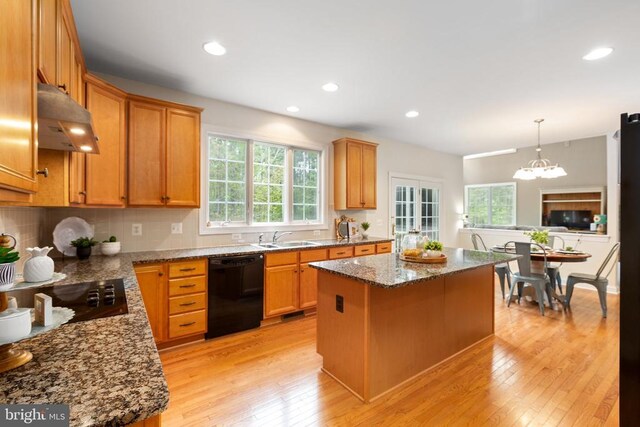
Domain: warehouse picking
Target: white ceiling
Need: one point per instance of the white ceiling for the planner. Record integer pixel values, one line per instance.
(478, 72)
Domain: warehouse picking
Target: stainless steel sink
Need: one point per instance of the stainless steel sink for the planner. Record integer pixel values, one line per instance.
(283, 245)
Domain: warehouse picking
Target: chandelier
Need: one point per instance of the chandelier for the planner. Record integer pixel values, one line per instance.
(539, 168)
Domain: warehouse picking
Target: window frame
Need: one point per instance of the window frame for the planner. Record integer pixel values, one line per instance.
(207, 228)
(514, 210)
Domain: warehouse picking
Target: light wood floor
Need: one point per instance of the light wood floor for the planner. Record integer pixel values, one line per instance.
(561, 369)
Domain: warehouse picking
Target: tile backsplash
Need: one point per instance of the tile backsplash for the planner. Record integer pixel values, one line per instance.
(26, 225)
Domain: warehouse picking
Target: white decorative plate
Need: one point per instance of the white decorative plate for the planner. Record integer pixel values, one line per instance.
(70, 229)
(21, 284)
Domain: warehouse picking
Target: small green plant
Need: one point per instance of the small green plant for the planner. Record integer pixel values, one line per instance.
(433, 245)
(111, 239)
(569, 248)
(84, 242)
(8, 255)
(541, 237)
(365, 225)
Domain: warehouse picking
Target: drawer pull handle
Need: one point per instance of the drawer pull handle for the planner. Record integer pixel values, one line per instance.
(188, 269)
(186, 304)
(184, 325)
(340, 253)
(364, 250)
(192, 285)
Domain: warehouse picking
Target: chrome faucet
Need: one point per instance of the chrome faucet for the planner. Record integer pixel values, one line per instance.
(276, 236)
(260, 238)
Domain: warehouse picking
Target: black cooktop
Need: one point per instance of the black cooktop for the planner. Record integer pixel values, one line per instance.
(89, 300)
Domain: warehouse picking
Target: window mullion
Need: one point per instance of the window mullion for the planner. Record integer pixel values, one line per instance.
(249, 182)
(287, 193)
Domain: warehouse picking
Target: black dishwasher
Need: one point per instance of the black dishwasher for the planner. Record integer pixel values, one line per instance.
(236, 288)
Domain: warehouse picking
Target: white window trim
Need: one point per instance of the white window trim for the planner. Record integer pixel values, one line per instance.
(494, 184)
(323, 191)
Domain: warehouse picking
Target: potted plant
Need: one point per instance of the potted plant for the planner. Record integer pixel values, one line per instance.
(8, 258)
(83, 246)
(110, 247)
(540, 237)
(365, 226)
(433, 248)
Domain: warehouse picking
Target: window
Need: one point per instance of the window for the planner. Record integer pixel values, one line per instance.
(253, 183)
(491, 204)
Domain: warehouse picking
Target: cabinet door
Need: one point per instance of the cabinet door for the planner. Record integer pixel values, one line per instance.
(77, 188)
(63, 53)
(183, 158)
(146, 154)
(106, 172)
(280, 290)
(369, 174)
(153, 286)
(354, 176)
(308, 286)
(47, 36)
(18, 102)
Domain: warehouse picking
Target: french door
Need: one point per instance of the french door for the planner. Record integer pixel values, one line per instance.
(415, 205)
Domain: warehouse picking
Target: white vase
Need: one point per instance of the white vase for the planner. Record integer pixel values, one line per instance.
(433, 254)
(110, 248)
(7, 275)
(39, 267)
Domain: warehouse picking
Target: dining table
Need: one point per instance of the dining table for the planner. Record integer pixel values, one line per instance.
(552, 255)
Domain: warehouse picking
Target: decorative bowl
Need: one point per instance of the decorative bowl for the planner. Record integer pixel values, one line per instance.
(110, 248)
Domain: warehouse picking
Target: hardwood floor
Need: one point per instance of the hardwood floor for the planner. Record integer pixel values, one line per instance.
(561, 369)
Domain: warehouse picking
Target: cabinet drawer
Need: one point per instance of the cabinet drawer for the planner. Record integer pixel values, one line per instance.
(363, 250)
(187, 324)
(383, 248)
(313, 255)
(187, 303)
(282, 258)
(189, 285)
(342, 252)
(187, 268)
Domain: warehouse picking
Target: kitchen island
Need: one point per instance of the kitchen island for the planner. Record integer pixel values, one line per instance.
(382, 321)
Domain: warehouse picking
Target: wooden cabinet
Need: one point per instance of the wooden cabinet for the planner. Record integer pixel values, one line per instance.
(164, 154)
(18, 100)
(383, 248)
(308, 286)
(355, 174)
(47, 38)
(341, 252)
(152, 281)
(175, 297)
(281, 290)
(105, 175)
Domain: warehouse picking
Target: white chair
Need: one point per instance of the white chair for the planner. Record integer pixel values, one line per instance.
(598, 280)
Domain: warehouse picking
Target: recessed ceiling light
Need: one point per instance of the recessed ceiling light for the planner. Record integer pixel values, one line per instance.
(411, 114)
(77, 131)
(86, 148)
(598, 53)
(214, 48)
(292, 109)
(330, 87)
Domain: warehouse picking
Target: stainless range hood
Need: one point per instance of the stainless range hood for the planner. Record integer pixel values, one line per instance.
(63, 124)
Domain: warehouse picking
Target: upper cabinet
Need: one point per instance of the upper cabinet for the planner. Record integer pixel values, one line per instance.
(105, 173)
(18, 100)
(164, 154)
(47, 37)
(355, 172)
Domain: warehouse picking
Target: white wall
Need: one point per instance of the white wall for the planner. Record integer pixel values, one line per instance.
(235, 119)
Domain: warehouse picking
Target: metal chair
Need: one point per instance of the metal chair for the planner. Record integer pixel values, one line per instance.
(554, 269)
(598, 280)
(540, 282)
(502, 270)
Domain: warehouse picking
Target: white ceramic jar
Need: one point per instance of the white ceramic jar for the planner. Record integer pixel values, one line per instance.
(39, 267)
(110, 248)
(15, 323)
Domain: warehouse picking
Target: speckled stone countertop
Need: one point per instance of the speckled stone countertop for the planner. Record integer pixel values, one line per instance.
(108, 370)
(389, 271)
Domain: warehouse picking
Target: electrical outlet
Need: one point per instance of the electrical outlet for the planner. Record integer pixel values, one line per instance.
(340, 303)
(136, 229)
(316, 232)
(176, 228)
(236, 236)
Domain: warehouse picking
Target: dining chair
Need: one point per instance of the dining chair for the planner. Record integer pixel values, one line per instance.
(554, 268)
(502, 270)
(524, 275)
(598, 280)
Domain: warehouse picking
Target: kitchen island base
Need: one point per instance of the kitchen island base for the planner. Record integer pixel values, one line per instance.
(373, 339)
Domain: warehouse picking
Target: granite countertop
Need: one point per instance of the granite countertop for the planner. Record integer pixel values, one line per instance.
(108, 370)
(389, 271)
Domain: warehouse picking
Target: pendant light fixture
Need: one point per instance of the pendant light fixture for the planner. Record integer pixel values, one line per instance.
(539, 168)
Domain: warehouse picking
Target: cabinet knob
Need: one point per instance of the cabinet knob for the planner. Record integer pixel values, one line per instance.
(161, 274)
(64, 88)
(123, 197)
(44, 172)
(82, 193)
(163, 198)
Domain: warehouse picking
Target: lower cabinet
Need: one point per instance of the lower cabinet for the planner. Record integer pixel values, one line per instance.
(281, 290)
(175, 297)
(308, 286)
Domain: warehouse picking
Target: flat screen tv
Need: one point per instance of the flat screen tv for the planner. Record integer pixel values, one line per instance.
(579, 220)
